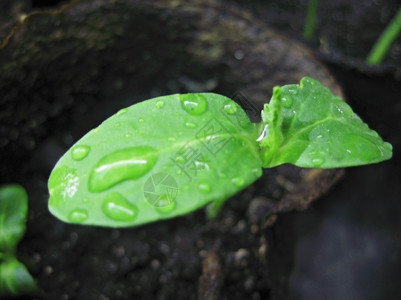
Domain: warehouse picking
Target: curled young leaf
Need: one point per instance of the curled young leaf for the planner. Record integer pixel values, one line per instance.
(157, 159)
(319, 129)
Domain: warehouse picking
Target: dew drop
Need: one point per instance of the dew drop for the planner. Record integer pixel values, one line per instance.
(194, 104)
(165, 204)
(204, 187)
(77, 215)
(79, 152)
(238, 181)
(180, 159)
(317, 162)
(171, 139)
(117, 208)
(190, 125)
(141, 120)
(287, 101)
(344, 109)
(257, 172)
(122, 111)
(230, 108)
(121, 165)
(159, 104)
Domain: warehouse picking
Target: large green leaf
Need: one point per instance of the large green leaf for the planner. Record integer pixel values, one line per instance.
(317, 129)
(157, 159)
(13, 210)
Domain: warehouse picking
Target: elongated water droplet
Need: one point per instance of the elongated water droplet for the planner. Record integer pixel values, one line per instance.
(122, 111)
(194, 104)
(190, 125)
(79, 152)
(117, 208)
(77, 215)
(230, 108)
(204, 187)
(159, 104)
(121, 165)
(238, 181)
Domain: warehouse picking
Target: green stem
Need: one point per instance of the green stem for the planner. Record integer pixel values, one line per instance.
(310, 19)
(385, 40)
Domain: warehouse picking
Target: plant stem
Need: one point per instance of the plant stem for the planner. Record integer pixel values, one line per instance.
(310, 20)
(385, 40)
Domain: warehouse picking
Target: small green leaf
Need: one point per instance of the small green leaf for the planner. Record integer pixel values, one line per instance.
(318, 129)
(15, 279)
(13, 210)
(157, 159)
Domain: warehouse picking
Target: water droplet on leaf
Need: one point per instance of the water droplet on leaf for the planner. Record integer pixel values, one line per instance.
(190, 125)
(79, 152)
(230, 108)
(159, 104)
(117, 208)
(287, 101)
(121, 165)
(194, 104)
(257, 172)
(77, 215)
(165, 204)
(317, 162)
(204, 187)
(238, 181)
(122, 111)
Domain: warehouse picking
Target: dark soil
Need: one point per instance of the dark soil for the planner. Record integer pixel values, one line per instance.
(72, 67)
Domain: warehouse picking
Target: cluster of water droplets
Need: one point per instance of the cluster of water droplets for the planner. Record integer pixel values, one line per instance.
(134, 163)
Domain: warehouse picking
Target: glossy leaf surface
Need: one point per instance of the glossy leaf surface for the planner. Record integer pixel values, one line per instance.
(306, 125)
(157, 159)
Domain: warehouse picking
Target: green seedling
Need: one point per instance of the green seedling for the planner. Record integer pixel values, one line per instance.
(170, 155)
(385, 40)
(310, 20)
(14, 277)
